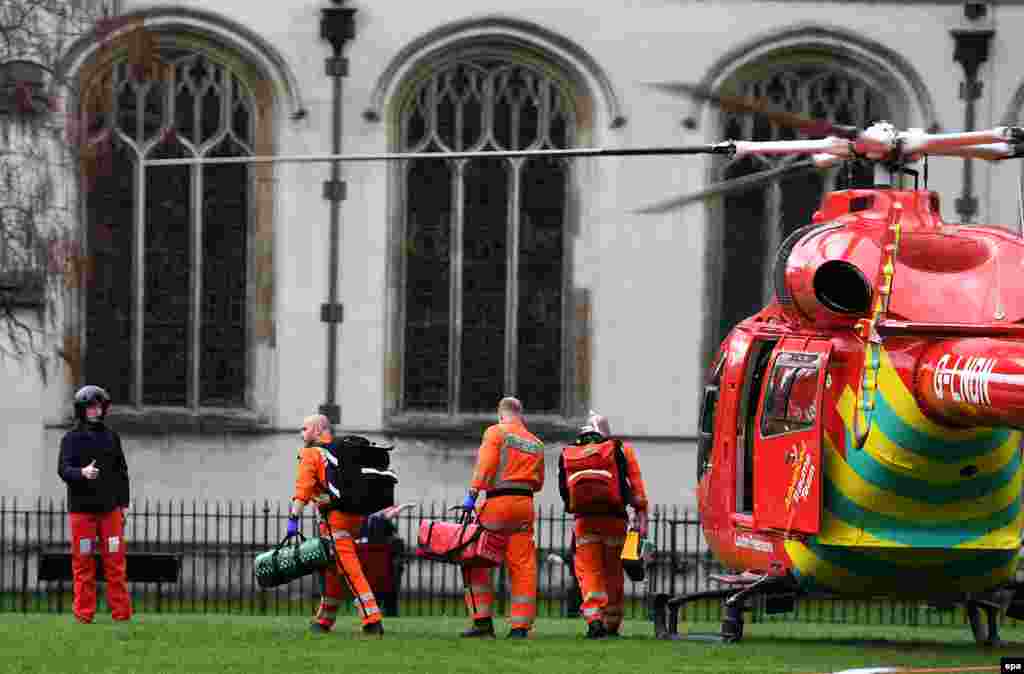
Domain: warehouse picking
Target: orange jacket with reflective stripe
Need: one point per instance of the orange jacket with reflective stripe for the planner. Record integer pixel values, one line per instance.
(311, 478)
(636, 482)
(510, 457)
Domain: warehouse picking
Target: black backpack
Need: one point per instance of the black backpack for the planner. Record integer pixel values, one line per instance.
(359, 476)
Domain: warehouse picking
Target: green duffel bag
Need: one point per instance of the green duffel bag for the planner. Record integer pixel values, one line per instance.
(287, 562)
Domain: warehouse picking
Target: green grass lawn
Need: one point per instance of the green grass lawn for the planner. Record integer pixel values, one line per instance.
(153, 644)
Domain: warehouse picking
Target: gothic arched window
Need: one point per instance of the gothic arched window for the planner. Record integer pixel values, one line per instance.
(167, 304)
(484, 240)
(755, 222)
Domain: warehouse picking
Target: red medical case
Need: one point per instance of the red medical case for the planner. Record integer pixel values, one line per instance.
(468, 544)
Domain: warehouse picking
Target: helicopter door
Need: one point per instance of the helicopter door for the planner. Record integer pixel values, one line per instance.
(706, 432)
(787, 487)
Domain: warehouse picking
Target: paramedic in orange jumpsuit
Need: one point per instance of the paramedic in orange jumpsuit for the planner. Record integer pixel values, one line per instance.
(311, 485)
(509, 469)
(599, 541)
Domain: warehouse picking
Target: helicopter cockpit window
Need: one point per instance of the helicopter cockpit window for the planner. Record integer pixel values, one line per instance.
(707, 421)
(706, 435)
(791, 400)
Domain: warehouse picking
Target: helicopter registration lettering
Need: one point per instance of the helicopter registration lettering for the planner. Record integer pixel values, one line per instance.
(967, 380)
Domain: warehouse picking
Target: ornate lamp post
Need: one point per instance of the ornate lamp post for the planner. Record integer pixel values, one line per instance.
(337, 26)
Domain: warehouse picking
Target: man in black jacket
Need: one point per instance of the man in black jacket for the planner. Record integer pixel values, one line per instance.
(92, 464)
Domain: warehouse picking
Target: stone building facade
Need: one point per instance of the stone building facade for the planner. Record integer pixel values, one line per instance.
(458, 281)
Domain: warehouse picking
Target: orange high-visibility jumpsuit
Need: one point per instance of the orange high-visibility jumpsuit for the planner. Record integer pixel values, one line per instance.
(311, 485)
(598, 563)
(510, 469)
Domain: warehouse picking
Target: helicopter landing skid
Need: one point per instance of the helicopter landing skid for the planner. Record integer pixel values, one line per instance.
(666, 610)
(985, 628)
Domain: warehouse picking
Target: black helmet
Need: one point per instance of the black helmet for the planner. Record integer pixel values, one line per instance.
(87, 395)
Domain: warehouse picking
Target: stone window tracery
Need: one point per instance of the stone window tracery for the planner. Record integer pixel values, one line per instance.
(484, 247)
(167, 310)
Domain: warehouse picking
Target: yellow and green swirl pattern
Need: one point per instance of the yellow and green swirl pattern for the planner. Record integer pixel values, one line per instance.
(918, 511)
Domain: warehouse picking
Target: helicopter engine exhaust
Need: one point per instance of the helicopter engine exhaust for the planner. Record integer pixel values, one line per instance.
(972, 382)
(841, 287)
(813, 273)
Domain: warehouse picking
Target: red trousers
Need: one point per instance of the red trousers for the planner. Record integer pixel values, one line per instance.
(599, 543)
(109, 529)
(345, 527)
(510, 514)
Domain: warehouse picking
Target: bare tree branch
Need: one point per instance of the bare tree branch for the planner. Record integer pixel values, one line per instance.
(39, 176)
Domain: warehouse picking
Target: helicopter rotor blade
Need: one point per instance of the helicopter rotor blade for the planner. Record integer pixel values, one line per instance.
(988, 151)
(792, 120)
(741, 184)
(836, 147)
(726, 148)
(916, 141)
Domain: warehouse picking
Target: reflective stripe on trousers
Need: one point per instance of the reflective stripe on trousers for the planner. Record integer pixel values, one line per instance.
(328, 611)
(367, 604)
(523, 610)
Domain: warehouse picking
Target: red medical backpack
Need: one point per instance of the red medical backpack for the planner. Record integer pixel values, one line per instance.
(592, 479)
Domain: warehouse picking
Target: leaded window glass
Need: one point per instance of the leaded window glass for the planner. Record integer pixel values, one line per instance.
(484, 240)
(166, 309)
(757, 221)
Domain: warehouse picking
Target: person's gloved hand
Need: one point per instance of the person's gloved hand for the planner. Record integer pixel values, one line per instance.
(468, 504)
(376, 524)
(293, 526)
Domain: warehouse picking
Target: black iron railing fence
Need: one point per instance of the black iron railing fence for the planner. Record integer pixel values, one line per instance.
(217, 542)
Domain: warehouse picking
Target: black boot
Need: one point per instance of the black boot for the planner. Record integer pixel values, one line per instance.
(482, 627)
(317, 628)
(374, 630)
(596, 630)
(518, 633)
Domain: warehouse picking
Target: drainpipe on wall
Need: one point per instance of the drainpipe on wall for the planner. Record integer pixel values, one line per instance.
(337, 26)
(972, 47)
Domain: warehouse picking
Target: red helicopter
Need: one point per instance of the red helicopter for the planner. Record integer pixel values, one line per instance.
(860, 435)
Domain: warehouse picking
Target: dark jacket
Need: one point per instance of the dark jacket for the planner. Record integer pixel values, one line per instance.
(82, 445)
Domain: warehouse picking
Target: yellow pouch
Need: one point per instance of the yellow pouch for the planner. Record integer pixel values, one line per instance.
(631, 549)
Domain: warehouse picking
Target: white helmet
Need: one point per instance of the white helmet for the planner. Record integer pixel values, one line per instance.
(596, 425)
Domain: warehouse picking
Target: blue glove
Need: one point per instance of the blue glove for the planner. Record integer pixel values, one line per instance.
(470, 501)
(293, 526)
